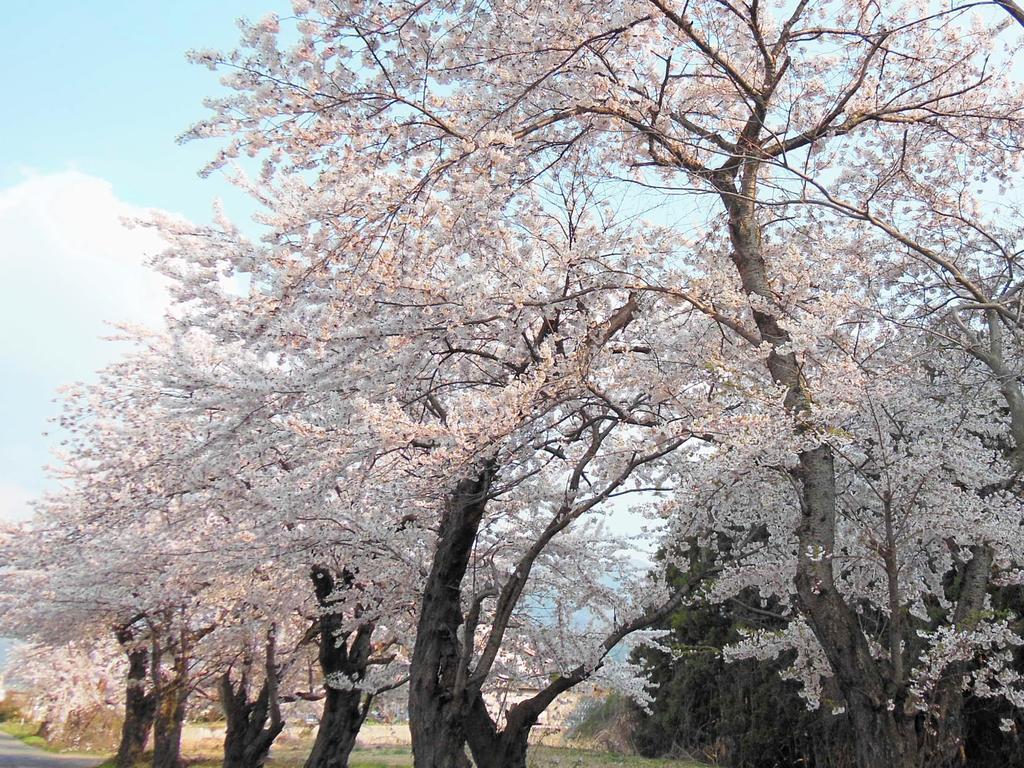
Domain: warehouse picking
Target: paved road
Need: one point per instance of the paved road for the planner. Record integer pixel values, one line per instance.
(15, 754)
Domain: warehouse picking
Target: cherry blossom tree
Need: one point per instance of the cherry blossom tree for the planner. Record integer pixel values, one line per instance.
(403, 143)
(737, 269)
(73, 690)
(141, 544)
(424, 388)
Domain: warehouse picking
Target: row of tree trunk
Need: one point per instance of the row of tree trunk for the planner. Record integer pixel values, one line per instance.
(447, 713)
(156, 694)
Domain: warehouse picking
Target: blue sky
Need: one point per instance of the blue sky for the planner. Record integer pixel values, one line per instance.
(104, 87)
(95, 94)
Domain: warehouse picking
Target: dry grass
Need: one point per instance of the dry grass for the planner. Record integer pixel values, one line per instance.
(539, 757)
(206, 753)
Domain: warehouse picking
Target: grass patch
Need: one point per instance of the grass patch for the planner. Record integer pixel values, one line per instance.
(538, 757)
(27, 733)
(567, 757)
(367, 757)
(19, 729)
(378, 757)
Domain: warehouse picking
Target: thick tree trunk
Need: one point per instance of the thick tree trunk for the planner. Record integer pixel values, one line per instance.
(492, 748)
(884, 740)
(167, 727)
(171, 691)
(248, 736)
(438, 702)
(340, 721)
(252, 726)
(344, 656)
(884, 737)
(507, 751)
(139, 705)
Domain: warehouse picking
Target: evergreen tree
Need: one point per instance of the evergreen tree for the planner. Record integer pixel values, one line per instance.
(742, 714)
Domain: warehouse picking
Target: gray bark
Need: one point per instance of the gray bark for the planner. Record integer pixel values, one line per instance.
(344, 654)
(139, 704)
(886, 735)
(438, 705)
(171, 692)
(252, 724)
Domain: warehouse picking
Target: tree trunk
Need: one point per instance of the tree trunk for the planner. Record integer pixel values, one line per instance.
(507, 751)
(884, 736)
(139, 705)
(344, 657)
(252, 726)
(884, 740)
(492, 748)
(340, 721)
(171, 693)
(167, 727)
(247, 737)
(437, 700)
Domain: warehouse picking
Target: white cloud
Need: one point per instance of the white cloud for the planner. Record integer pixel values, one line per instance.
(14, 502)
(70, 266)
